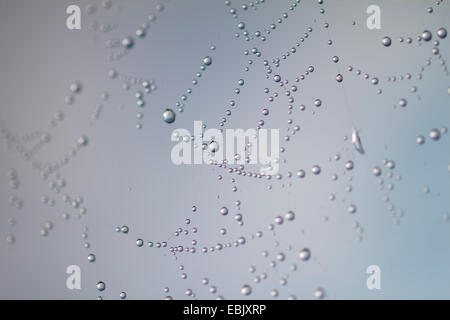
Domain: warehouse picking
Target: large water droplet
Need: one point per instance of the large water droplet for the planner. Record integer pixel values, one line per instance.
(213, 146)
(356, 141)
(169, 116)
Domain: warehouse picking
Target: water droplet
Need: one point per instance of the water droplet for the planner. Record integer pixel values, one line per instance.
(91, 257)
(207, 60)
(352, 208)
(82, 141)
(356, 141)
(101, 286)
(223, 211)
(435, 134)
(442, 33)
(376, 171)
(140, 32)
(128, 42)
(213, 146)
(386, 41)
(319, 293)
(402, 103)
(317, 102)
(246, 290)
(10, 239)
(420, 140)
(169, 116)
(301, 173)
(305, 254)
(349, 165)
(315, 169)
(390, 164)
(290, 215)
(75, 87)
(426, 35)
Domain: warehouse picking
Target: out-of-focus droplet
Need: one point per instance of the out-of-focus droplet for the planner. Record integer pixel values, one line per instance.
(420, 140)
(315, 169)
(435, 134)
(317, 102)
(223, 211)
(349, 165)
(75, 87)
(442, 33)
(10, 239)
(376, 171)
(352, 208)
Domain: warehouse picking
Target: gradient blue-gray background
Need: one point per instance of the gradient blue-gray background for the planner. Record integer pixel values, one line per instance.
(125, 175)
